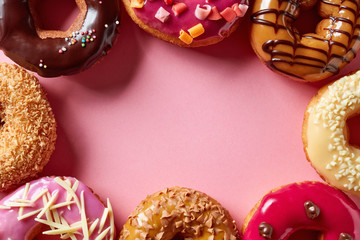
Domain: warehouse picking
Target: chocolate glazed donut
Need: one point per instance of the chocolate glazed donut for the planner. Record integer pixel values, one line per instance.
(53, 53)
(312, 56)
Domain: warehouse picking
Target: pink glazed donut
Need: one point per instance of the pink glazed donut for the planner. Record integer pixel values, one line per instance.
(303, 206)
(57, 206)
(187, 23)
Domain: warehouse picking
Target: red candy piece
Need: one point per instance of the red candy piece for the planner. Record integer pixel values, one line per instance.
(178, 8)
(214, 14)
(236, 9)
(228, 14)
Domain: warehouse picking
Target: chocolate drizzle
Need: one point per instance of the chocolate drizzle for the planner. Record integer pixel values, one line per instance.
(20, 42)
(311, 209)
(341, 43)
(265, 230)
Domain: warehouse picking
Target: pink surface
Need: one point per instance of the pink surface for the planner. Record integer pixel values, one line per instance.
(152, 115)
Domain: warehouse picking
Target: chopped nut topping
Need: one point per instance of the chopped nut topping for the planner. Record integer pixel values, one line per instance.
(182, 211)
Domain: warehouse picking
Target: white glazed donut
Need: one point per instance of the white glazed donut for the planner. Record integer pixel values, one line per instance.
(325, 133)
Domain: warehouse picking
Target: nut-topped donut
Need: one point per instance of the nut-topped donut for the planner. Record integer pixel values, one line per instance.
(27, 129)
(179, 212)
(53, 53)
(188, 23)
(325, 133)
(66, 206)
(312, 56)
(303, 206)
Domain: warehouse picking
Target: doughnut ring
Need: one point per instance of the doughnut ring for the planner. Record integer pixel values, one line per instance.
(28, 127)
(182, 212)
(52, 53)
(309, 57)
(65, 206)
(187, 23)
(325, 135)
(303, 206)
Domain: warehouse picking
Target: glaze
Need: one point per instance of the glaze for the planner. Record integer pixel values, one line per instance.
(325, 135)
(218, 18)
(67, 206)
(283, 211)
(311, 56)
(179, 212)
(54, 53)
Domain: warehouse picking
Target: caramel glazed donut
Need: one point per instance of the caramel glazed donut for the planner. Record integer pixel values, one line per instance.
(312, 56)
(325, 133)
(180, 212)
(27, 129)
(51, 53)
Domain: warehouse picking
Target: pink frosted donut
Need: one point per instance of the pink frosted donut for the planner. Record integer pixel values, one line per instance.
(188, 23)
(303, 206)
(65, 206)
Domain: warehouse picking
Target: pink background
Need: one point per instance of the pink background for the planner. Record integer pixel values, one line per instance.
(152, 115)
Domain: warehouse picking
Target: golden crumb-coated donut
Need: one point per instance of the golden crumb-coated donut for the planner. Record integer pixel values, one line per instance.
(28, 127)
(180, 212)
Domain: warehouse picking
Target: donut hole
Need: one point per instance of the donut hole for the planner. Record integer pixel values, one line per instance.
(45, 237)
(57, 19)
(37, 234)
(353, 130)
(307, 234)
(307, 20)
(178, 237)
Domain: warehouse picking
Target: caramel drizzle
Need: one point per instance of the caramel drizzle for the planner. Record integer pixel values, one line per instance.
(276, 55)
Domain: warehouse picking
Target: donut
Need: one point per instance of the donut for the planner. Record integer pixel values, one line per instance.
(310, 206)
(179, 213)
(306, 57)
(27, 126)
(325, 133)
(52, 53)
(55, 206)
(187, 23)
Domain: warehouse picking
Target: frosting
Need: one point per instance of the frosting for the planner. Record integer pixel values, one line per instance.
(186, 14)
(180, 211)
(58, 53)
(281, 213)
(311, 56)
(325, 133)
(65, 205)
